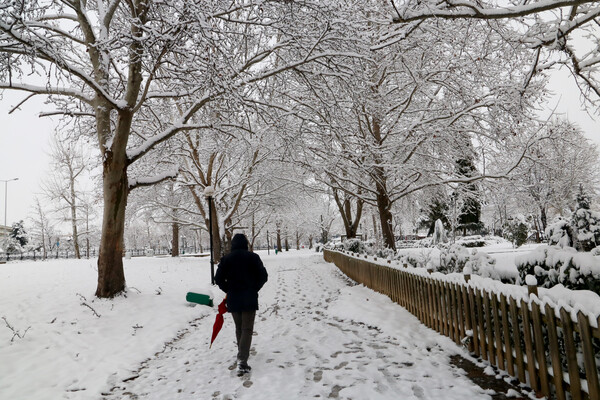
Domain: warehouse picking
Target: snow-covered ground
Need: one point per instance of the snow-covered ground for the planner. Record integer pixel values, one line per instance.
(316, 337)
(505, 256)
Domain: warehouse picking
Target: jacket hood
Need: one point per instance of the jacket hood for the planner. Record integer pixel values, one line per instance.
(239, 242)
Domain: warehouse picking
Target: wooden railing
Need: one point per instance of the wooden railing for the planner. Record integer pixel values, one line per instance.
(506, 332)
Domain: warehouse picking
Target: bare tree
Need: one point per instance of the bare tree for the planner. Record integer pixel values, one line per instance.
(562, 33)
(42, 229)
(397, 121)
(63, 185)
(123, 63)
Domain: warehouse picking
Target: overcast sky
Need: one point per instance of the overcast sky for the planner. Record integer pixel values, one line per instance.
(25, 139)
(24, 142)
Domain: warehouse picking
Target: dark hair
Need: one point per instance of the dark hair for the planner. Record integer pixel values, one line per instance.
(239, 242)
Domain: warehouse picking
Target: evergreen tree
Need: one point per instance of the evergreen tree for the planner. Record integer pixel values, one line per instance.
(519, 234)
(470, 213)
(438, 209)
(17, 238)
(586, 223)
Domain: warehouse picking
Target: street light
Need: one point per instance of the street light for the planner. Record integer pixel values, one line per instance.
(209, 193)
(5, 194)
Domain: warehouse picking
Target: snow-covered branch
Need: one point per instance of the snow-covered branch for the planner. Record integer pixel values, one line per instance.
(61, 91)
(450, 9)
(149, 181)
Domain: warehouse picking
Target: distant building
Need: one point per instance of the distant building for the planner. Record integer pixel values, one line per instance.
(4, 231)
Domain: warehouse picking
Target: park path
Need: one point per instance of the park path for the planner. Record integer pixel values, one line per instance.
(316, 336)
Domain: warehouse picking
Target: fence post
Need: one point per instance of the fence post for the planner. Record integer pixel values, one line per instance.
(531, 283)
(506, 331)
(557, 371)
(589, 359)
(533, 378)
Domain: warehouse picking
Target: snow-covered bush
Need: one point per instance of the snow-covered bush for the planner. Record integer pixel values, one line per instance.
(456, 258)
(560, 233)
(472, 241)
(420, 257)
(552, 265)
(587, 224)
(453, 259)
(17, 238)
(355, 246)
(386, 253)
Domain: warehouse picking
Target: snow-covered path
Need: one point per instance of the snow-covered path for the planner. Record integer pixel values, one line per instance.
(316, 336)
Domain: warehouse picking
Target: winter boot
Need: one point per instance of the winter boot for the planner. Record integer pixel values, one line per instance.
(243, 368)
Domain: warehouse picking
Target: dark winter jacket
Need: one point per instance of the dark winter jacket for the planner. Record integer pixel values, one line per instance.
(241, 275)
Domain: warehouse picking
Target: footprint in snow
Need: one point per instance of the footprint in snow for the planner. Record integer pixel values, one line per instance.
(418, 391)
(335, 392)
(341, 365)
(337, 353)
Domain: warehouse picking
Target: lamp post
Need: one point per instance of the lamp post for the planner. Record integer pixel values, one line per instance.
(209, 193)
(268, 245)
(5, 194)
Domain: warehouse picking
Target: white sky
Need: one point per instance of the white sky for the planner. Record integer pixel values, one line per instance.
(25, 139)
(24, 142)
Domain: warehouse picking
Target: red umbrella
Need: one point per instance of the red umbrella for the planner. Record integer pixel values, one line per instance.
(218, 320)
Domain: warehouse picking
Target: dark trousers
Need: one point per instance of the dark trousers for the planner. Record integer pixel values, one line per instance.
(244, 326)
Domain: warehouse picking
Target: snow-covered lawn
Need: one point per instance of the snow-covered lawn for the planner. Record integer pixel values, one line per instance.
(503, 252)
(316, 337)
(505, 256)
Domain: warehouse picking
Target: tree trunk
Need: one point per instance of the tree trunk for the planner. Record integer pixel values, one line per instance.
(111, 277)
(74, 218)
(253, 234)
(384, 204)
(375, 233)
(345, 209)
(324, 232)
(544, 218)
(175, 247)
(279, 240)
(387, 230)
(385, 215)
(44, 242)
(297, 241)
(287, 245)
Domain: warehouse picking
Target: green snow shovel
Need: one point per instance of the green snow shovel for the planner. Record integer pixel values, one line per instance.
(202, 299)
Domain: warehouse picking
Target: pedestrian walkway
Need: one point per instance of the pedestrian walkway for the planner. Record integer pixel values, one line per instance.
(317, 336)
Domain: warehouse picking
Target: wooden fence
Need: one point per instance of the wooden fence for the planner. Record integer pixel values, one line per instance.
(556, 356)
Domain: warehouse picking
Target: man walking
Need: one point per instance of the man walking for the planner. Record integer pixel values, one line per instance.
(241, 274)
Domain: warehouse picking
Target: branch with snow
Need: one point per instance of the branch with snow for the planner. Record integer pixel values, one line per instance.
(467, 9)
(149, 181)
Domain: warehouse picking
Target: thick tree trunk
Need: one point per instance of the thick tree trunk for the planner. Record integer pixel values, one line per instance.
(287, 245)
(385, 215)
(175, 247)
(111, 277)
(384, 204)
